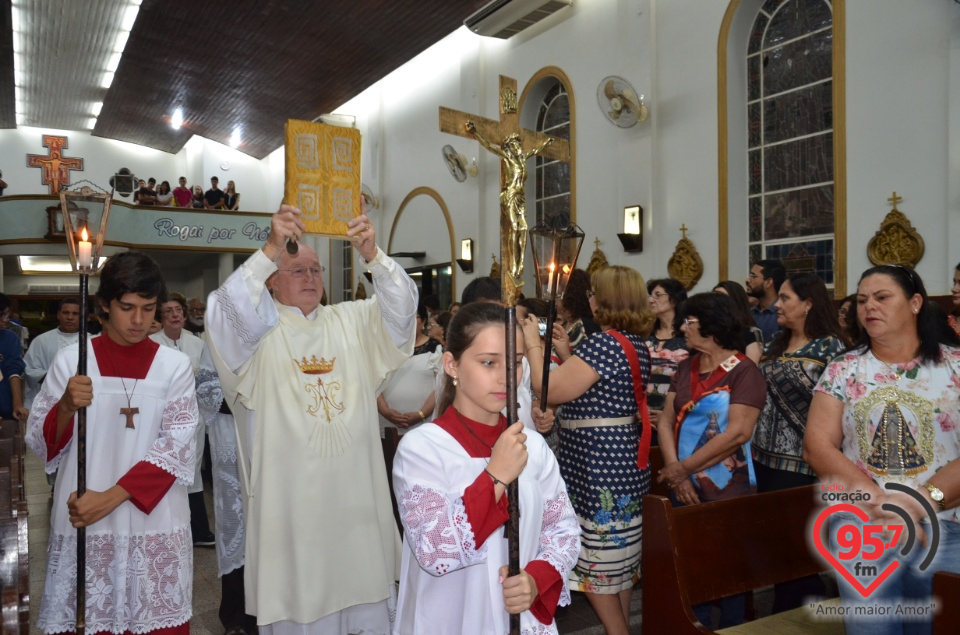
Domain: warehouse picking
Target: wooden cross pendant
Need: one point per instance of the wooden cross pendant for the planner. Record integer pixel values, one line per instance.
(129, 412)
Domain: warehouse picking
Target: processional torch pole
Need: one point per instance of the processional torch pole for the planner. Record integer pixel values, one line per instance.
(80, 209)
(555, 253)
(512, 529)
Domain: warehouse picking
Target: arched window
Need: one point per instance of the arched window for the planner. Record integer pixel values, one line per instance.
(790, 140)
(553, 177)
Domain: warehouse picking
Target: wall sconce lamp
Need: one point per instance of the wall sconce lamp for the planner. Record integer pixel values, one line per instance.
(632, 236)
(466, 255)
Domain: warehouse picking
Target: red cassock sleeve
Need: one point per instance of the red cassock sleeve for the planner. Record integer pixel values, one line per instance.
(484, 512)
(486, 515)
(549, 585)
(147, 484)
(50, 433)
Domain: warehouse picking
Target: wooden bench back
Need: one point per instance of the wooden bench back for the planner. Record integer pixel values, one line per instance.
(709, 551)
(946, 587)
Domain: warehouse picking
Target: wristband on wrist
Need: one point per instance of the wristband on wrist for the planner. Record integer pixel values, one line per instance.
(496, 481)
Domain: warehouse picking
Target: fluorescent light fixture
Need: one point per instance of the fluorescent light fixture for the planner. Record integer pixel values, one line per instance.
(91, 123)
(107, 80)
(121, 42)
(235, 138)
(177, 120)
(15, 18)
(19, 118)
(97, 107)
(129, 17)
(16, 42)
(114, 61)
(48, 264)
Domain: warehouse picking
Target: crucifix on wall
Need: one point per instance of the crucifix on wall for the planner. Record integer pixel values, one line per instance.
(513, 145)
(55, 168)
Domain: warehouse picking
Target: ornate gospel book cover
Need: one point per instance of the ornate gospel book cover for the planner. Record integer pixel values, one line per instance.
(322, 175)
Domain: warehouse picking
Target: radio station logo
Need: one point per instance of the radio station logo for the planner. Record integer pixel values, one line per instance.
(860, 551)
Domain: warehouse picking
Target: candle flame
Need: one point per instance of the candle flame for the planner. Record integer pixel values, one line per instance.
(84, 236)
(552, 267)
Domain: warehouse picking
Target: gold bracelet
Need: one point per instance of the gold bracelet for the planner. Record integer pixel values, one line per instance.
(422, 417)
(496, 481)
(533, 347)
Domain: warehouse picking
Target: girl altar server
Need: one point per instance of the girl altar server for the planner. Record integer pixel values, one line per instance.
(450, 478)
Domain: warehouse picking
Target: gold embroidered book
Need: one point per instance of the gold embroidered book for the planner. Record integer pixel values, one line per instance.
(322, 175)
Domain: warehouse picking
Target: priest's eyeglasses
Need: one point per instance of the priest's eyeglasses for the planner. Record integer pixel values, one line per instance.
(303, 272)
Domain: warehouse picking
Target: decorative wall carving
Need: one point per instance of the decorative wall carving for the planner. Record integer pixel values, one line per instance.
(896, 242)
(598, 259)
(685, 264)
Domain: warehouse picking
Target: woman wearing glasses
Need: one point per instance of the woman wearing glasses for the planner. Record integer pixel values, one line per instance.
(886, 415)
(718, 394)
(667, 345)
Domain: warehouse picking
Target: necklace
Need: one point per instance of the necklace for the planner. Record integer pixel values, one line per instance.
(127, 412)
(474, 434)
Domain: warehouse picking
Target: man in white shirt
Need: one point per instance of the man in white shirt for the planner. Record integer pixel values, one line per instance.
(44, 347)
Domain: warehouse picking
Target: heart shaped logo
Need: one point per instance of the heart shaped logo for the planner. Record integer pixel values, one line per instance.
(829, 557)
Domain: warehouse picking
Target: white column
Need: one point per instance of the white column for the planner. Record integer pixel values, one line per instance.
(225, 267)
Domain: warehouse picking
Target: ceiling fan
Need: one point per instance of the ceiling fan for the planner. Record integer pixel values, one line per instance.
(619, 102)
(456, 163)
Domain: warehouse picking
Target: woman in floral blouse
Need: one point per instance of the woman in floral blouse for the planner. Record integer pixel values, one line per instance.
(886, 414)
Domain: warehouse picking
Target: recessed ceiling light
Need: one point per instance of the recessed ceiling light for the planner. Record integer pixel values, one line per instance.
(177, 120)
(235, 138)
(47, 264)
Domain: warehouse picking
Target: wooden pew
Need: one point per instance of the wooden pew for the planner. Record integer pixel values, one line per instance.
(14, 533)
(946, 587)
(705, 552)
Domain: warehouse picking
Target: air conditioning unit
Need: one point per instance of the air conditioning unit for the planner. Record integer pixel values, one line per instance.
(506, 18)
(52, 289)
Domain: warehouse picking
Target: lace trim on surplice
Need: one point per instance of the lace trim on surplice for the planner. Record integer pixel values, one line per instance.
(137, 583)
(438, 530)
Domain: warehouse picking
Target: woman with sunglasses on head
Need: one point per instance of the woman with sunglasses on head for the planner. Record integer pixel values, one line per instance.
(708, 418)
(886, 414)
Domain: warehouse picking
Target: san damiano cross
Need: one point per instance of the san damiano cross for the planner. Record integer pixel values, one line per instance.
(514, 145)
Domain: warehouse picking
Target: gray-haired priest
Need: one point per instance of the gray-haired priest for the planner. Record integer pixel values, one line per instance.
(302, 379)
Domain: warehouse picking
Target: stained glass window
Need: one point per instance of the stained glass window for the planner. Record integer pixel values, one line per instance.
(790, 135)
(553, 177)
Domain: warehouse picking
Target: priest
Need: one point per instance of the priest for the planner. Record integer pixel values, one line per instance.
(302, 379)
(140, 447)
(44, 347)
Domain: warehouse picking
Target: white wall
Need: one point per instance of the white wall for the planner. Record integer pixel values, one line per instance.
(902, 94)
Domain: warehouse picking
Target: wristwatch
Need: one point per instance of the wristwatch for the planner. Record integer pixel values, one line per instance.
(936, 495)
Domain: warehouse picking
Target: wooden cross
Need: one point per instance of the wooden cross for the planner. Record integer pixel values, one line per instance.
(494, 135)
(128, 413)
(56, 168)
(895, 199)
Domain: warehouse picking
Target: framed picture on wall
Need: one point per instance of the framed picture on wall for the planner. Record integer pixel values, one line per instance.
(78, 216)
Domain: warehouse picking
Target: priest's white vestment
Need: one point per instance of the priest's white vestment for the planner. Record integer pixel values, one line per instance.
(322, 543)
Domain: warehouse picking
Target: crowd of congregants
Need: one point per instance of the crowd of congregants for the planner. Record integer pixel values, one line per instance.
(747, 388)
(148, 193)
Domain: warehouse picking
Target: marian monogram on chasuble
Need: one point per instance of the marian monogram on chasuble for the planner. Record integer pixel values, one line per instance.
(903, 441)
(326, 403)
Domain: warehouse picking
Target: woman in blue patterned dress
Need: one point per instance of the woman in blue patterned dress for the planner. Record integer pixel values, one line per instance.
(602, 387)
